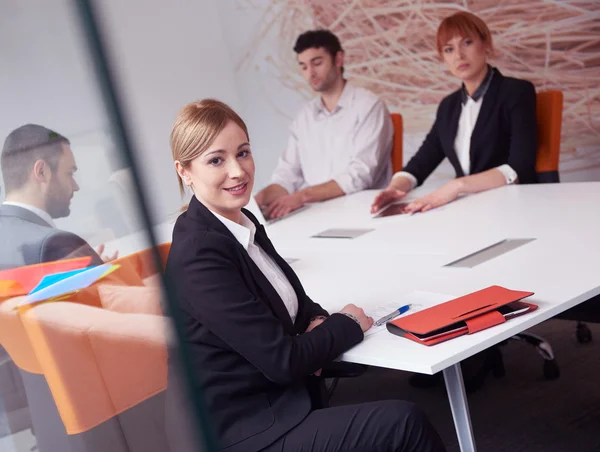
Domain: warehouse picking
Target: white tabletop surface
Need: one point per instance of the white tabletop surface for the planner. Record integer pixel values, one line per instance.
(406, 253)
(565, 211)
(560, 266)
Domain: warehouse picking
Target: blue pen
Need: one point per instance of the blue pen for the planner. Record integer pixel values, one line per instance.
(393, 315)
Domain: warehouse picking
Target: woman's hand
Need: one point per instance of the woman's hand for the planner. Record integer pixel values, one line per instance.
(385, 197)
(365, 321)
(311, 326)
(315, 323)
(439, 197)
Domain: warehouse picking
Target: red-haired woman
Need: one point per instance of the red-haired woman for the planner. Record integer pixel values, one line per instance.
(486, 129)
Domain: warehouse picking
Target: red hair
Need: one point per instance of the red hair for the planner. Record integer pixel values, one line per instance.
(462, 24)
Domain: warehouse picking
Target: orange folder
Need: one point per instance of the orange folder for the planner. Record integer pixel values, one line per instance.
(464, 315)
(30, 275)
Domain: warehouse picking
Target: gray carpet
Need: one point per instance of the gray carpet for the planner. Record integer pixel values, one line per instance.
(520, 412)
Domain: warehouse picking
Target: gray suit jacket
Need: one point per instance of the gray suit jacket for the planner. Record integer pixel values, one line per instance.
(26, 239)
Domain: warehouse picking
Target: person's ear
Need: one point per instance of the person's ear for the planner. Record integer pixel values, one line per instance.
(41, 171)
(182, 172)
(339, 59)
(489, 50)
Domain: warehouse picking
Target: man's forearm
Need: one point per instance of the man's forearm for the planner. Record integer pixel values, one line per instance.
(321, 192)
(269, 194)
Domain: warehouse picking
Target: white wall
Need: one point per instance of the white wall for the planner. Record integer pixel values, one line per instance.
(44, 72)
(166, 54)
(46, 78)
(267, 106)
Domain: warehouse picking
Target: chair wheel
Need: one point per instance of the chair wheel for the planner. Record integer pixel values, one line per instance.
(551, 370)
(583, 333)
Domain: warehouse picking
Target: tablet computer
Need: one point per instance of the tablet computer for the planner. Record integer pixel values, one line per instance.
(396, 208)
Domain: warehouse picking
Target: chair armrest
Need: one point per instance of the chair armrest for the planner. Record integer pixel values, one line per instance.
(338, 369)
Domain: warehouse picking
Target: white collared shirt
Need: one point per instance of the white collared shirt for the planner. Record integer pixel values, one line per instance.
(466, 124)
(37, 211)
(244, 233)
(351, 145)
(462, 143)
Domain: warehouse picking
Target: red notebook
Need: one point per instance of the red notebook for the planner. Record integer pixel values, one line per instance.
(464, 315)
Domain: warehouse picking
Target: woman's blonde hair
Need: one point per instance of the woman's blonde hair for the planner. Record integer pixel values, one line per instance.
(197, 126)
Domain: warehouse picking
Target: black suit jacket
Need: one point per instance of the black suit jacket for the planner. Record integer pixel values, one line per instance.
(505, 132)
(252, 362)
(26, 239)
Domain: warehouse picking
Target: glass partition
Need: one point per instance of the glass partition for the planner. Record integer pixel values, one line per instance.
(90, 356)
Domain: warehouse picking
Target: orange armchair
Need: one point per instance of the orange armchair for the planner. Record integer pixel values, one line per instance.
(107, 374)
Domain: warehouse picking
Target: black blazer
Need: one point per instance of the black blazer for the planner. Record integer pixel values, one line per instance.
(26, 239)
(505, 132)
(252, 363)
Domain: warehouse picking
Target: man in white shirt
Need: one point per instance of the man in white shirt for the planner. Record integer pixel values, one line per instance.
(38, 168)
(340, 142)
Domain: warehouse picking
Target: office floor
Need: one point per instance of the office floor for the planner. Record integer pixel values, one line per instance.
(520, 412)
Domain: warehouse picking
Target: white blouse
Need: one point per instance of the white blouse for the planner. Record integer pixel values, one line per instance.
(244, 233)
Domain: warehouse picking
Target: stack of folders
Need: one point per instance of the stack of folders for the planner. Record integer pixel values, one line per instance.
(21, 280)
(464, 315)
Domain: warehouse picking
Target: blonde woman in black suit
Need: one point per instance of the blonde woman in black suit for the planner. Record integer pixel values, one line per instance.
(257, 341)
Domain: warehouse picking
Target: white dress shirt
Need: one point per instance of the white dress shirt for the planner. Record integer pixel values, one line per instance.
(244, 233)
(351, 145)
(39, 212)
(462, 142)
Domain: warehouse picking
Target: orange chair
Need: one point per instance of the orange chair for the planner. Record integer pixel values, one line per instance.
(49, 431)
(549, 109)
(134, 269)
(15, 351)
(142, 262)
(107, 374)
(397, 163)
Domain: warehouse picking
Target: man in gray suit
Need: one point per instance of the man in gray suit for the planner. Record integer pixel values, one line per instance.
(38, 167)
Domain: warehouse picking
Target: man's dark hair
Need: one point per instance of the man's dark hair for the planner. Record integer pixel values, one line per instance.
(314, 39)
(23, 147)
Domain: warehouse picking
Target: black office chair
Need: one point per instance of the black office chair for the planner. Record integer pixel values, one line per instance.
(491, 362)
(588, 311)
(583, 333)
(336, 370)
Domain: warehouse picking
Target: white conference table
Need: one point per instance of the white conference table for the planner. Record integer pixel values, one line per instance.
(405, 253)
(560, 266)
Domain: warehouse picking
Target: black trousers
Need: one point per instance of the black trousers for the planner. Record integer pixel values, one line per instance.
(386, 426)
